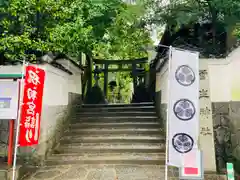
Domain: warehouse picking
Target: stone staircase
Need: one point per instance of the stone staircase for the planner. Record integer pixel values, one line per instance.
(111, 142)
(112, 134)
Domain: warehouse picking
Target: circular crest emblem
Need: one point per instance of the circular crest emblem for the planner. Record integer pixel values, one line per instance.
(182, 143)
(184, 109)
(185, 75)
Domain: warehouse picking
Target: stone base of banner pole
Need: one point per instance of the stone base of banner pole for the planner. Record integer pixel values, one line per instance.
(173, 174)
(21, 172)
(3, 174)
(6, 173)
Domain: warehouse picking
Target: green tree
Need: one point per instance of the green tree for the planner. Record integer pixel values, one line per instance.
(125, 38)
(189, 11)
(67, 26)
(24, 26)
(86, 24)
(226, 12)
(108, 27)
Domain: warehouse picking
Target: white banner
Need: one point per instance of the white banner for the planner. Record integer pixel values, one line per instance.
(9, 91)
(188, 172)
(183, 105)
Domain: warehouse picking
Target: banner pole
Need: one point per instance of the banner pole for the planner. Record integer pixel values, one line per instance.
(10, 142)
(167, 123)
(18, 120)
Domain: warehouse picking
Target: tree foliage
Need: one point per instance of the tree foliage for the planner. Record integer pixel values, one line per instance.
(25, 26)
(108, 27)
(125, 38)
(190, 11)
(84, 25)
(237, 31)
(205, 25)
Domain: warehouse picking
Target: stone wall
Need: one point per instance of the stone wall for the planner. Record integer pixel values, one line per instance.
(226, 118)
(3, 138)
(61, 97)
(158, 104)
(61, 94)
(161, 95)
(57, 121)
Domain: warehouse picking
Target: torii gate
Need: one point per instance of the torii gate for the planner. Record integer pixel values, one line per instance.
(135, 66)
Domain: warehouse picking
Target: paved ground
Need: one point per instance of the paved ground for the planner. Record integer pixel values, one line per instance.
(100, 172)
(109, 172)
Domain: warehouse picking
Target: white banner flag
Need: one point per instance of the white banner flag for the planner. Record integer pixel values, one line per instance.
(183, 105)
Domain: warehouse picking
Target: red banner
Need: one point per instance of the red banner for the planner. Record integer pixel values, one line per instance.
(32, 106)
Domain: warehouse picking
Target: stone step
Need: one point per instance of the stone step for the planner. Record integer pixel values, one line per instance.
(121, 117)
(118, 109)
(114, 114)
(118, 105)
(105, 158)
(125, 131)
(114, 125)
(115, 119)
(113, 139)
(78, 119)
(110, 148)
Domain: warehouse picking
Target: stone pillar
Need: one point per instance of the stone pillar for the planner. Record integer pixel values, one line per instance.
(206, 139)
(89, 60)
(105, 79)
(134, 68)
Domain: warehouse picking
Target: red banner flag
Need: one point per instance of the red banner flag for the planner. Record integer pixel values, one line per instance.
(32, 106)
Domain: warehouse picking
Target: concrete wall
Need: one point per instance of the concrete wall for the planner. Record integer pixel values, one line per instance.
(162, 94)
(224, 79)
(61, 92)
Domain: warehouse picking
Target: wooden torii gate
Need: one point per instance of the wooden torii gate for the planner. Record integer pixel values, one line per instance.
(136, 66)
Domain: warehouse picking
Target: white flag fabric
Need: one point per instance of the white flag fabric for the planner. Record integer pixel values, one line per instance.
(183, 105)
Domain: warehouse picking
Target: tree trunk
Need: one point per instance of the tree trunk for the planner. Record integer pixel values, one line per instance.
(214, 27)
(213, 13)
